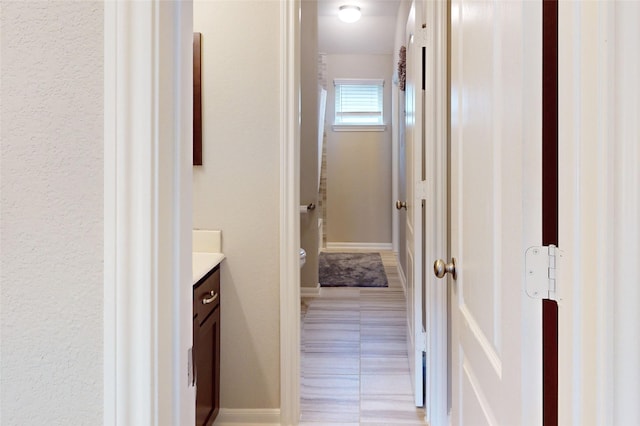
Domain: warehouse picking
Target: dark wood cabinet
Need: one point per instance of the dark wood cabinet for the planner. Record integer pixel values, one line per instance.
(206, 346)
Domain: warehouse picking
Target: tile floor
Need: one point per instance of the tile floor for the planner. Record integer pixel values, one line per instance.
(354, 364)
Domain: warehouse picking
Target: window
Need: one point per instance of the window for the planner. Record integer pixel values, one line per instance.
(359, 105)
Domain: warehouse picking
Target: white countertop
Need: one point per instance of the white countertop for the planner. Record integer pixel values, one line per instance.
(203, 263)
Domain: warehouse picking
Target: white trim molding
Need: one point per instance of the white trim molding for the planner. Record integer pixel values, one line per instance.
(395, 169)
(359, 127)
(147, 208)
(403, 278)
(367, 81)
(623, 313)
(289, 213)
(435, 232)
(248, 417)
(360, 246)
(310, 291)
(599, 206)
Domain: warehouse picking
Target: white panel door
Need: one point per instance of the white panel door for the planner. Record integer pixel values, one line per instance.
(414, 166)
(495, 211)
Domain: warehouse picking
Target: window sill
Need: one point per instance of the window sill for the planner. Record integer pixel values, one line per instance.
(359, 127)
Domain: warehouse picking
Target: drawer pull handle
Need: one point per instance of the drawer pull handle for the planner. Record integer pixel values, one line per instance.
(212, 299)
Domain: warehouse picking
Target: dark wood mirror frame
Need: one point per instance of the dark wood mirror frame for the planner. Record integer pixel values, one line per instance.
(197, 100)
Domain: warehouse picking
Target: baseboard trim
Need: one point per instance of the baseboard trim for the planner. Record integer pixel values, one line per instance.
(248, 417)
(403, 278)
(360, 246)
(310, 291)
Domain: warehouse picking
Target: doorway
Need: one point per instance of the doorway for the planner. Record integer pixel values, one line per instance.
(436, 294)
(358, 210)
(391, 210)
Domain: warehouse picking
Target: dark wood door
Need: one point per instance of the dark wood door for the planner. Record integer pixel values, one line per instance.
(207, 354)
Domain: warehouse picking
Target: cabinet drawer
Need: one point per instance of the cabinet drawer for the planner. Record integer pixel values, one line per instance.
(206, 295)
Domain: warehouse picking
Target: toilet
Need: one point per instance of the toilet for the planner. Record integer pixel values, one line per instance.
(303, 257)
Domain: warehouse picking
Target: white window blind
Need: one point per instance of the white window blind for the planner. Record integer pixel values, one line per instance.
(359, 102)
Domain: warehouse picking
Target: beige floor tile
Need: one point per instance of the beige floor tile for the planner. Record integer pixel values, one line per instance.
(330, 387)
(385, 384)
(383, 349)
(327, 424)
(390, 410)
(384, 365)
(354, 364)
(314, 364)
(330, 338)
(330, 412)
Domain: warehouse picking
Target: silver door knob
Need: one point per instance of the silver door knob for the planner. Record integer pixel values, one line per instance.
(441, 269)
(401, 205)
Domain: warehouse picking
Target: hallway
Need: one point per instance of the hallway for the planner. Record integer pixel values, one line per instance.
(354, 363)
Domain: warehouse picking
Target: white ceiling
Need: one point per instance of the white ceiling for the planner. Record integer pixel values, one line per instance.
(373, 33)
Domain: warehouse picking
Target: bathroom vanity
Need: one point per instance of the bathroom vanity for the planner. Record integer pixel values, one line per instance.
(206, 324)
(206, 346)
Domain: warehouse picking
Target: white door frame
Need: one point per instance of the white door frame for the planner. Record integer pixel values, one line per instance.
(395, 134)
(289, 213)
(289, 218)
(147, 212)
(148, 157)
(147, 302)
(599, 206)
(416, 39)
(435, 234)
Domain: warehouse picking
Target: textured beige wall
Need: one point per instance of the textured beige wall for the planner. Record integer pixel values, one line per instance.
(51, 210)
(237, 189)
(309, 139)
(359, 163)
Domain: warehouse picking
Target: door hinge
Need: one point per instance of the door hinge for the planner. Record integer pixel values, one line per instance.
(541, 265)
(421, 190)
(422, 342)
(423, 34)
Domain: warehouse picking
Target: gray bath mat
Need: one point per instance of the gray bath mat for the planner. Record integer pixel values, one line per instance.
(352, 270)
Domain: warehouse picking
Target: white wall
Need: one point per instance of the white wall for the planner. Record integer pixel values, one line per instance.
(51, 207)
(237, 189)
(359, 163)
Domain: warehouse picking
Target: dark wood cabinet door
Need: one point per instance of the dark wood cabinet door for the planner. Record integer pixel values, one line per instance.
(207, 355)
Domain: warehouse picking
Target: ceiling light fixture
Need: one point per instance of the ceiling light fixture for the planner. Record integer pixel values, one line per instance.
(349, 13)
